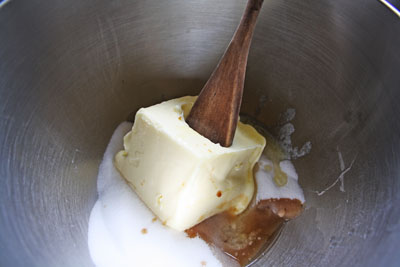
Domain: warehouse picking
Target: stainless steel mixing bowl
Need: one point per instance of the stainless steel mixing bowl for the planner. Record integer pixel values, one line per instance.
(71, 71)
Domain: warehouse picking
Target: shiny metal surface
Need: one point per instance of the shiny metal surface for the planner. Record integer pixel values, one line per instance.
(71, 71)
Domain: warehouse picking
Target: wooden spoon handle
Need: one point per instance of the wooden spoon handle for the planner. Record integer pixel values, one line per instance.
(216, 111)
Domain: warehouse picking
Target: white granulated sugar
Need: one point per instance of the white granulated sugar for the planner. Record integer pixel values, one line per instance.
(284, 137)
(266, 187)
(122, 231)
(287, 116)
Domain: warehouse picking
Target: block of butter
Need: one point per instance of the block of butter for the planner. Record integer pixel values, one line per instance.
(182, 176)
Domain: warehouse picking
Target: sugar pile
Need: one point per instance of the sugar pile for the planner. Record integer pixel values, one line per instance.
(124, 232)
(285, 130)
(266, 187)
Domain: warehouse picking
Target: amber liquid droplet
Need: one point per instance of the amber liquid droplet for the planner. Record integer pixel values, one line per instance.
(280, 178)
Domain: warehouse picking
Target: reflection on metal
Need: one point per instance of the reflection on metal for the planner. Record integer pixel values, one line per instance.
(4, 2)
(391, 7)
(340, 177)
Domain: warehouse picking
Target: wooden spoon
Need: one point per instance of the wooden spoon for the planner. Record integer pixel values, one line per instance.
(216, 111)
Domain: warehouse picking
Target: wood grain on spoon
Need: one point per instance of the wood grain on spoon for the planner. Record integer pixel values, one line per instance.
(216, 111)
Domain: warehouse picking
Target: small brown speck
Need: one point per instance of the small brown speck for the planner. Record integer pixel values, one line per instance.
(180, 118)
(219, 193)
(154, 219)
(209, 150)
(203, 263)
(144, 231)
(164, 223)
